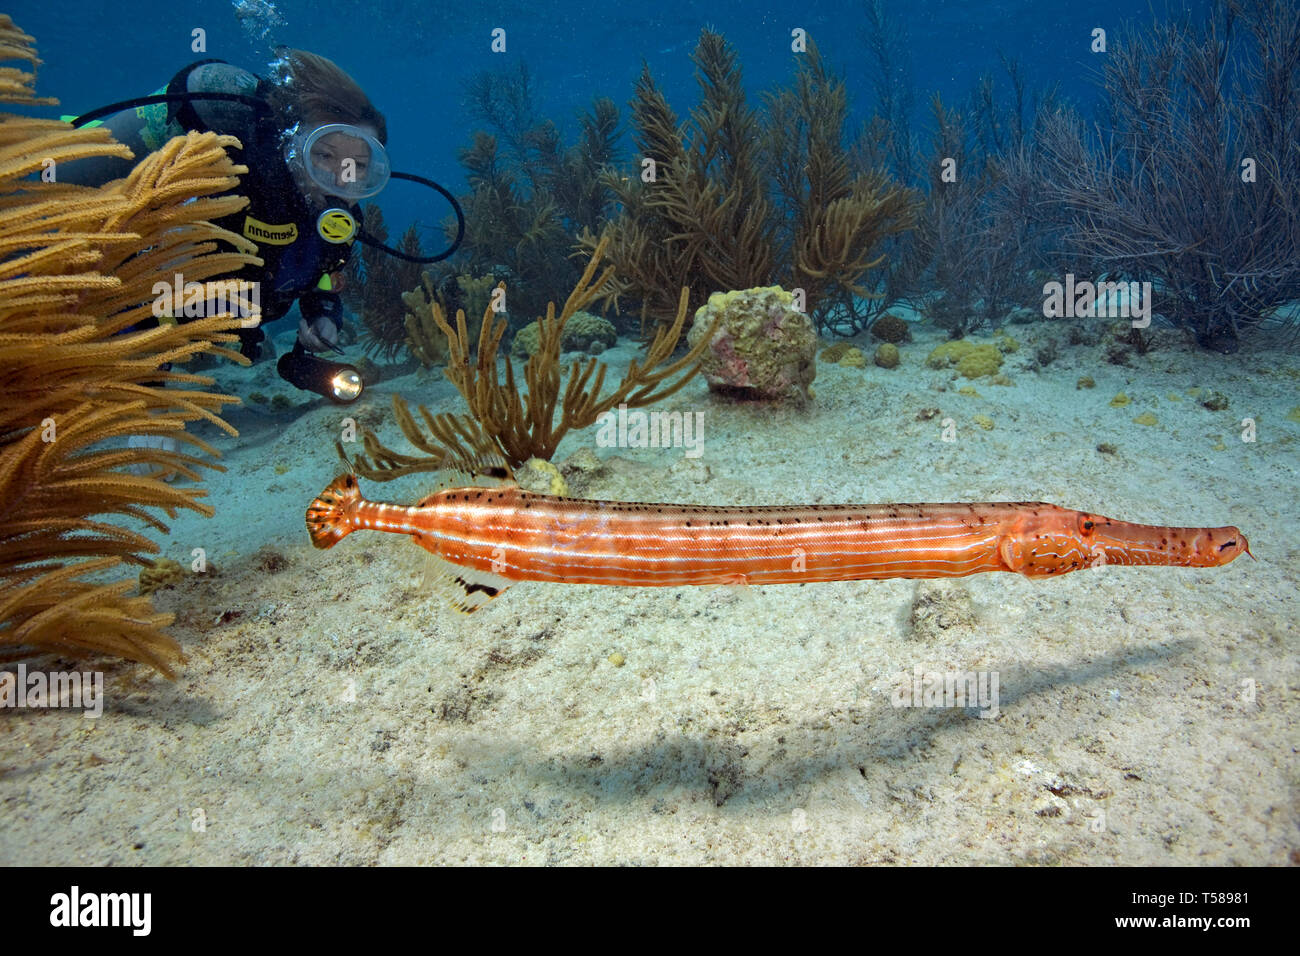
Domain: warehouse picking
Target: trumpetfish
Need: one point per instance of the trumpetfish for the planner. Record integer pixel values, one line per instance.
(487, 538)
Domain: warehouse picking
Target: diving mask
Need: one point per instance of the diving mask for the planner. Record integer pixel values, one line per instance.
(340, 160)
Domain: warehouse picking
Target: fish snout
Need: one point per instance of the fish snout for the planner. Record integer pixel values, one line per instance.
(1230, 542)
(1125, 543)
(1215, 547)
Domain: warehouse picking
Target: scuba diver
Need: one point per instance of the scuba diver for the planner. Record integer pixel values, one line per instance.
(314, 146)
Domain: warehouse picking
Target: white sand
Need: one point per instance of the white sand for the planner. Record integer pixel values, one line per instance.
(331, 713)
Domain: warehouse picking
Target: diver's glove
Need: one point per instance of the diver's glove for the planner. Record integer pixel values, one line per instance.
(322, 317)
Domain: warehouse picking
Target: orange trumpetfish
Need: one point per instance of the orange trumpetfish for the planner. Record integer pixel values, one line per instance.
(493, 537)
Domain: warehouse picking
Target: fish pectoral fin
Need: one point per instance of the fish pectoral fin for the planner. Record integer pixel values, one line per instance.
(1011, 549)
(466, 589)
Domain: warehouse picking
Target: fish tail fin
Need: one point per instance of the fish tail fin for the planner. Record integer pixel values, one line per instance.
(330, 517)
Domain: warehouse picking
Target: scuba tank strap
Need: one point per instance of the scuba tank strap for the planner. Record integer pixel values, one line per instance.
(183, 111)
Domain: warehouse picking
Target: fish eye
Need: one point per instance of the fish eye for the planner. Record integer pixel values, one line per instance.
(1086, 524)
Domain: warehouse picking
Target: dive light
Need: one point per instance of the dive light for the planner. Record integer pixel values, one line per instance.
(337, 381)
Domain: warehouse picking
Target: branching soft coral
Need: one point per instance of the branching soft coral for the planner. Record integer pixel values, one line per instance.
(1191, 178)
(698, 218)
(530, 194)
(523, 425)
(376, 283)
(76, 371)
(839, 218)
(702, 217)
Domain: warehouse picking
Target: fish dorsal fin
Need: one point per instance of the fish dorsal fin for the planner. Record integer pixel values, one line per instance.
(466, 589)
(448, 479)
(489, 477)
(471, 457)
(475, 475)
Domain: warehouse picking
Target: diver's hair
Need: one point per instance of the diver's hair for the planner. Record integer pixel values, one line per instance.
(308, 85)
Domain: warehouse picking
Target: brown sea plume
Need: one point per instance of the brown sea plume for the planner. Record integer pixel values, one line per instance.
(732, 198)
(522, 425)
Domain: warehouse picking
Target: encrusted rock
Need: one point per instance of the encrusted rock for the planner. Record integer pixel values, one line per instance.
(762, 347)
(583, 332)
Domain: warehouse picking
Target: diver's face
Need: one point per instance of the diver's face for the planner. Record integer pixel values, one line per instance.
(341, 158)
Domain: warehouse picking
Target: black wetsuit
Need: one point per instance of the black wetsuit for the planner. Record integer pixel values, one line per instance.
(278, 218)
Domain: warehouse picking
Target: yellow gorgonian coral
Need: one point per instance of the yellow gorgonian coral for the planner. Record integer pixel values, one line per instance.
(78, 369)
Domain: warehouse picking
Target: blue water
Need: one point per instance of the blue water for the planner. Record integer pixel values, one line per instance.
(413, 58)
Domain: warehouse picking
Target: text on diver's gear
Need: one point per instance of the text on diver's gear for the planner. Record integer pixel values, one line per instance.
(185, 98)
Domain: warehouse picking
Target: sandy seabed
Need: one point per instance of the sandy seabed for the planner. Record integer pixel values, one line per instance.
(331, 711)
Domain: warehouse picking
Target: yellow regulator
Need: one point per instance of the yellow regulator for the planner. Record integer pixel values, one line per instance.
(336, 225)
